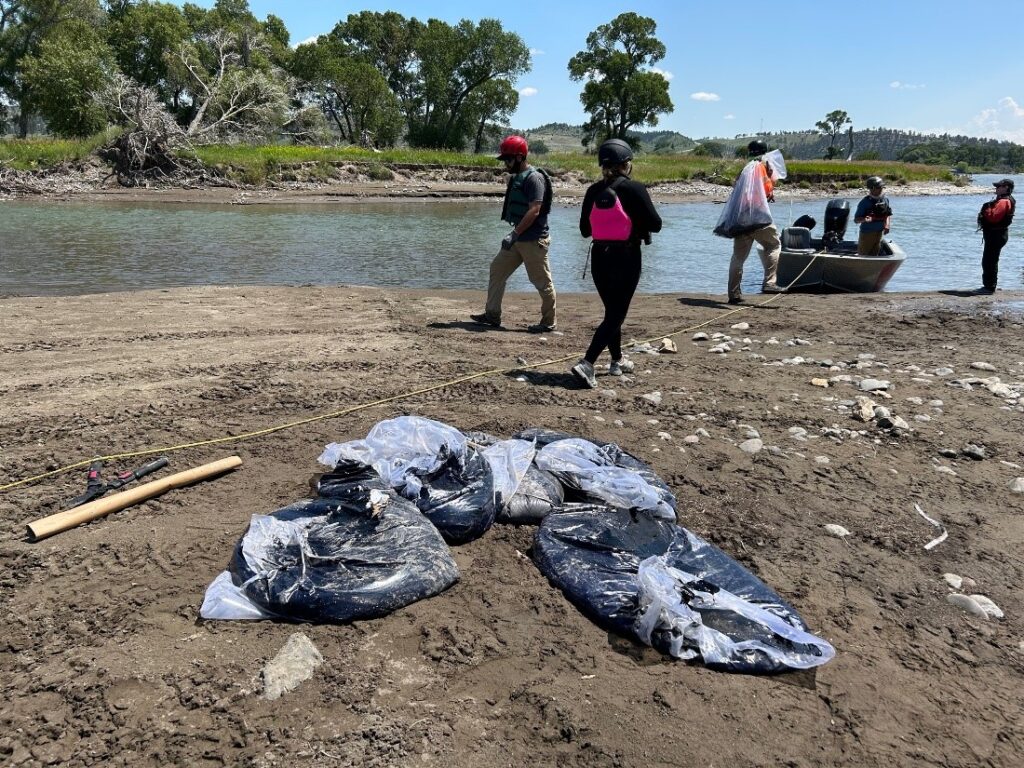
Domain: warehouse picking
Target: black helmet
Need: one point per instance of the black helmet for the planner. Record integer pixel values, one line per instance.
(874, 182)
(756, 148)
(1005, 183)
(614, 152)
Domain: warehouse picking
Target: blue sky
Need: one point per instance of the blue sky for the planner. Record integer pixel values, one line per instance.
(740, 67)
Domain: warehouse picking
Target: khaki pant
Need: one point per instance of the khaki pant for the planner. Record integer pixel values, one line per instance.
(869, 243)
(534, 254)
(771, 246)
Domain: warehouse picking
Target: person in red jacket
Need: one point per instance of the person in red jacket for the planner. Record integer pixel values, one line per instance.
(994, 220)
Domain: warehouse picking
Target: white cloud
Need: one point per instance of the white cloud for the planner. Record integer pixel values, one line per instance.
(704, 96)
(308, 40)
(528, 91)
(536, 52)
(730, 116)
(899, 86)
(1004, 121)
(664, 73)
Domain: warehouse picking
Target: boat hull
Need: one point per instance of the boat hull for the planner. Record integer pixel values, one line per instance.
(839, 271)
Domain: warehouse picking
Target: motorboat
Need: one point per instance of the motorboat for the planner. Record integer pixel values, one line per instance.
(831, 262)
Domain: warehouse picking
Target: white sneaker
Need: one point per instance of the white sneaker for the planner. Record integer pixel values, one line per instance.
(584, 371)
(619, 367)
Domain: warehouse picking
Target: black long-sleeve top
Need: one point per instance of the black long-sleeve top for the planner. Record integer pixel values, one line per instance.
(636, 202)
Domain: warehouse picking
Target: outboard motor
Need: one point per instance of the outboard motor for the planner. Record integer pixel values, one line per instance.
(837, 214)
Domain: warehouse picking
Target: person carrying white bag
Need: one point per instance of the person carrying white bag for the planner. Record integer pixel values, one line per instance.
(747, 219)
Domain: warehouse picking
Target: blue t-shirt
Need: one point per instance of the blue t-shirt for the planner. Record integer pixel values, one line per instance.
(864, 208)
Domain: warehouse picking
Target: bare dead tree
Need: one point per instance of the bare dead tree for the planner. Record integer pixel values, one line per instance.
(230, 101)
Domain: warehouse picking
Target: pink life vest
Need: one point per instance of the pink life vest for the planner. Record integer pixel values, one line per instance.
(608, 219)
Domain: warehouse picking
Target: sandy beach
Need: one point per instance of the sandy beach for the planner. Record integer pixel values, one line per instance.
(104, 660)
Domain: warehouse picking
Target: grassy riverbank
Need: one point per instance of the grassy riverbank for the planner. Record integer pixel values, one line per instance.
(258, 164)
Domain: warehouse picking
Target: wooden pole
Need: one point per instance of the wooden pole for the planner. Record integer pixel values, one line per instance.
(70, 518)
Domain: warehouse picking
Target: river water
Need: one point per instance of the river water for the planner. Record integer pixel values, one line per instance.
(74, 248)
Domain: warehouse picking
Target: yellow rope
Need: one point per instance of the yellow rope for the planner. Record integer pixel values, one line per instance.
(364, 406)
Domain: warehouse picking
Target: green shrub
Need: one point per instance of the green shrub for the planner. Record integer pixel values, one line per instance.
(378, 172)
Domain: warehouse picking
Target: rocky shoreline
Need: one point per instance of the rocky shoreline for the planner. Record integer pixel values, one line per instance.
(93, 181)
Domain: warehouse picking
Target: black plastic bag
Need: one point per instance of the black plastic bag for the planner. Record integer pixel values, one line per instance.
(360, 552)
(593, 553)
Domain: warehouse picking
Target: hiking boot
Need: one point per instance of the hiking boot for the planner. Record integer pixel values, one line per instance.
(619, 367)
(584, 371)
(983, 291)
(735, 299)
(484, 319)
(540, 328)
(772, 289)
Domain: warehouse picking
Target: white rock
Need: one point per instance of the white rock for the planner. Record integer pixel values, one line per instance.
(609, 394)
(664, 435)
(618, 423)
(1017, 486)
(797, 431)
(836, 530)
(599, 418)
(953, 580)
(822, 460)
(922, 417)
(752, 446)
(823, 383)
(915, 400)
(943, 469)
(292, 666)
(983, 366)
(691, 439)
(699, 336)
(702, 432)
(740, 326)
(652, 397)
(935, 403)
(720, 349)
(991, 609)
(873, 385)
(966, 603)
(943, 371)
(865, 408)
(653, 421)
(1001, 390)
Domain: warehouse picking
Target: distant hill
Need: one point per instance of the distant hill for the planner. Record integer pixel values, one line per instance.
(964, 152)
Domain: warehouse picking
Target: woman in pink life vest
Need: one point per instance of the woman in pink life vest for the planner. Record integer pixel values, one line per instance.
(619, 215)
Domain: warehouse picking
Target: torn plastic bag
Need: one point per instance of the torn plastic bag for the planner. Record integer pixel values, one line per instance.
(432, 464)
(732, 622)
(536, 492)
(336, 560)
(747, 208)
(607, 473)
(223, 600)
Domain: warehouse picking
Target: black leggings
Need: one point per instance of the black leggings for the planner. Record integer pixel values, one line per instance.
(616, 271)
(995, 239)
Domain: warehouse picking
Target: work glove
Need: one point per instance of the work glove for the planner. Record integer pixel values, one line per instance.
(511, 237)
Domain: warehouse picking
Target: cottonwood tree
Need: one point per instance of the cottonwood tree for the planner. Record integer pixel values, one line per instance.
(832, 126)
(141, 34)
(620, 92)
(24, 24)
(489, 107)
(351, 92)
(453, 63)
(69, 64)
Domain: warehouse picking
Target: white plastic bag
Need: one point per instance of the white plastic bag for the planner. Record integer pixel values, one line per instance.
(581, 464)
(509, 460)
(671, 602)
(746, 209)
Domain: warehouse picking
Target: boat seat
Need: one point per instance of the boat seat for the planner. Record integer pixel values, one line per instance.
(797, 239)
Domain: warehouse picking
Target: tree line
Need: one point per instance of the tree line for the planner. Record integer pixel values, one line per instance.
(222, 74)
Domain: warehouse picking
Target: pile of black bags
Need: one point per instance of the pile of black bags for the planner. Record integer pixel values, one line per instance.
(376, 539)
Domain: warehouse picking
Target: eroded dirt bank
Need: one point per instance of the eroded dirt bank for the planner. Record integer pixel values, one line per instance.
(103, 660)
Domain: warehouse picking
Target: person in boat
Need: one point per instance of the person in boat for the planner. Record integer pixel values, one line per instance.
(874, 215)
(994, 220)
(526, 207)
(748, 220)
(618, 214)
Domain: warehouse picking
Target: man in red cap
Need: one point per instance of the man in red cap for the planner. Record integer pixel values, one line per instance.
(994, 221)
(526, 207)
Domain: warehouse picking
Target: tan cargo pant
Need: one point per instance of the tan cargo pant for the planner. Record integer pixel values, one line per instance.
(534, 254)
(771, 246)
